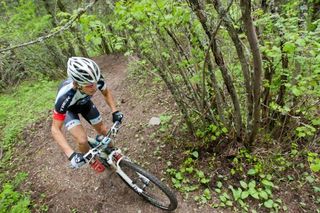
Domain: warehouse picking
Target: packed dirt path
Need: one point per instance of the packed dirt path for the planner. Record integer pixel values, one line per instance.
(55, 187)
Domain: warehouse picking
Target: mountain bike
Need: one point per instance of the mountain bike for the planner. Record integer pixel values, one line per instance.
(139, 180)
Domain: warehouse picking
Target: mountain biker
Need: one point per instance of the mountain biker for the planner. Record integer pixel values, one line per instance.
(73, 98)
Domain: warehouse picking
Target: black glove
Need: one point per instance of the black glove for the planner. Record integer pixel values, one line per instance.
(76, 159)
(117, 116)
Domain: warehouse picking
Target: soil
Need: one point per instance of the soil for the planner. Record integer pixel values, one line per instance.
(54, 187)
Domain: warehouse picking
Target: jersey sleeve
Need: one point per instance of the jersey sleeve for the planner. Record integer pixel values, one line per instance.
(62, 104)
(101, 84)
(58, 116)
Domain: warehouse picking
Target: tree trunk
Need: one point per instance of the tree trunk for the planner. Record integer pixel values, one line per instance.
(104, 45)
(241, 55)
(315, 10)
(268, 75)
(70, 50)
(264, 5)
(257, 67)
(75, 32)
(283, 78)
(196, 7)
(219, 101)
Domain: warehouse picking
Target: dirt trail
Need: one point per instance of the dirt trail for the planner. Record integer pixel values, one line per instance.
(58, 188)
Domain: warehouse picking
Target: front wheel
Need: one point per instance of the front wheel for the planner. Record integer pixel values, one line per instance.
(147, 186)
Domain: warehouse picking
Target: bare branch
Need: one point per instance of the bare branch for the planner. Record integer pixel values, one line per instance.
(63, 28)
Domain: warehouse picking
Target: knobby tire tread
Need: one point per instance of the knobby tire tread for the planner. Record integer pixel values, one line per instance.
(156, 181)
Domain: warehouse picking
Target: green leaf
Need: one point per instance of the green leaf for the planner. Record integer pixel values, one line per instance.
(267, 183)
(268, 190)
(236, 192)
(232, 171)
(213, 128)
(200, 174)
(207, 194)
(189, 170)
(195, 154)
(300, 42)
(226, 195)
(316, 189)
(254, 194)
(213, 138)
(229, 203)
(224, 130)
(263, 195)
(268, 204)
(243, 184)
(310, 179)
(315, 167)
(97, 41)
(315, 122)
(289, 47)
(219, 184)
(205, 180)
(244, 195)
(179, 176)
(251, 172)
(252, 184)
(222, 198)
(296, 91)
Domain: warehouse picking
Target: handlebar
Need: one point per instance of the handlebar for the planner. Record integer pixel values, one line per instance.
(103, 143)
(114, 129)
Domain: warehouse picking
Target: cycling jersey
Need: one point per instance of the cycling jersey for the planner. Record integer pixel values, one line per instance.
(71, 99)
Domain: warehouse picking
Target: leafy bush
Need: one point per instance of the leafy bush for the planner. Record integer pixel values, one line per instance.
(11, 200)
(21, 107)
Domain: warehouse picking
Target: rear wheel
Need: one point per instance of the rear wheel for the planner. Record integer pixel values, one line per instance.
(147, 186)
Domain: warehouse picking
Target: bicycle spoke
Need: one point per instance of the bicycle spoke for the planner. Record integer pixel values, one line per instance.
(148, 186)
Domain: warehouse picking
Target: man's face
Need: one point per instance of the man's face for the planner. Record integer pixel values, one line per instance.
(89, 89)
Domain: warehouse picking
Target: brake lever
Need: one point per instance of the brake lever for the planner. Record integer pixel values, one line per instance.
(90, 154)
(115, 128)
(114, 131)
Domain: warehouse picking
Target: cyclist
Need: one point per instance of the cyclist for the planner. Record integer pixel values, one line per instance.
(73, 98)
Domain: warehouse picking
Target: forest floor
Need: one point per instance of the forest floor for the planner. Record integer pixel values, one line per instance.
(54, 187)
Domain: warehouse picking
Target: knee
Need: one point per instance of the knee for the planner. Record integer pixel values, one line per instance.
(81, 139)
(102, 130)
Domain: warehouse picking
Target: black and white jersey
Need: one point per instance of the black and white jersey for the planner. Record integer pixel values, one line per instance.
(68, 96)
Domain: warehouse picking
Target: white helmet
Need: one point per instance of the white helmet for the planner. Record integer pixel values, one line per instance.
(83, 70)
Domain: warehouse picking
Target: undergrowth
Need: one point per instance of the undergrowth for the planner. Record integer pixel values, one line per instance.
(19, 108)
(259, 181)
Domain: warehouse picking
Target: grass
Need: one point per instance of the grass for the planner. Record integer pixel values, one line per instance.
(19, 108)
(24, 106)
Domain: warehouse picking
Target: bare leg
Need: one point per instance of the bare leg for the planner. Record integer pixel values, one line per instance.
(80, 137)
(101, 128)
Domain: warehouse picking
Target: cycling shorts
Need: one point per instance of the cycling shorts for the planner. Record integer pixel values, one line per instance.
(88, 111)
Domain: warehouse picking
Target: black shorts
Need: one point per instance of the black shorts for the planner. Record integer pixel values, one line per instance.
(88, 112)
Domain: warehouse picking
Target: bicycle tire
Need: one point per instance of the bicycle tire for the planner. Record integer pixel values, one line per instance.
(130, 169)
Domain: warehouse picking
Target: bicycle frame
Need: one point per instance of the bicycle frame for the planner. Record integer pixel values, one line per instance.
(102, 145)
(114, 159)
(99, 151)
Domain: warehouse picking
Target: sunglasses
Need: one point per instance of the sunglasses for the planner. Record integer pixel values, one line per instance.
(89, 86)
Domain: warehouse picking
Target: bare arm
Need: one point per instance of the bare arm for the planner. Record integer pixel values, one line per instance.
(109, 99)
(59, 137)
